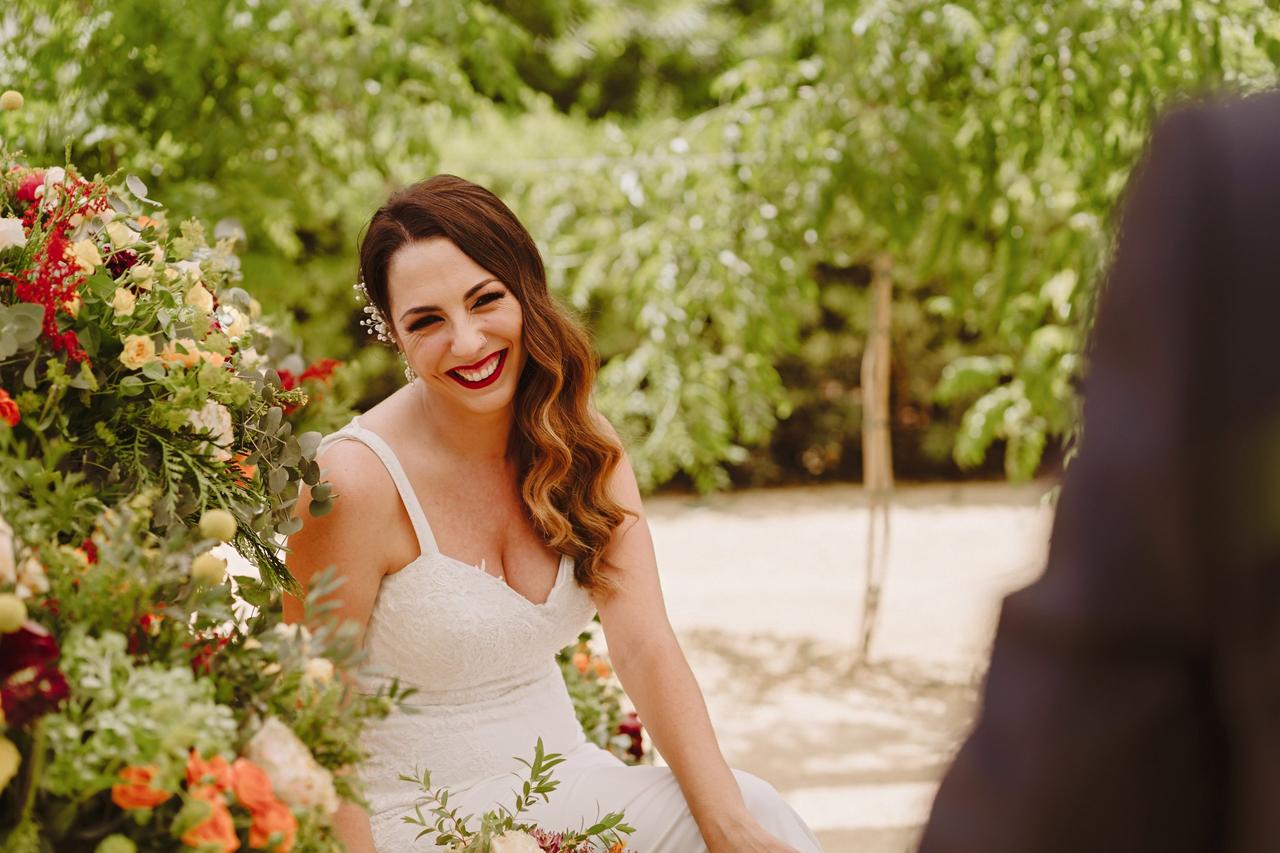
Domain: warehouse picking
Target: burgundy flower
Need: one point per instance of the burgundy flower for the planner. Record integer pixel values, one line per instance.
(548, 841)
(632, 728)
(30, 645)
(90, 550)
(121, 262)
(30, 685)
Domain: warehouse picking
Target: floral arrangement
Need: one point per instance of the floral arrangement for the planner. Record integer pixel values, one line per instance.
(131, 358)
(148, 418)
(502, 831)
(598, 702)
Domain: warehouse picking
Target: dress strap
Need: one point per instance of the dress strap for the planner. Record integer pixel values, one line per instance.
(375, 442)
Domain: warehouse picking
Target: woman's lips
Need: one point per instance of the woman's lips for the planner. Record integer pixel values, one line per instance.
(481, 383)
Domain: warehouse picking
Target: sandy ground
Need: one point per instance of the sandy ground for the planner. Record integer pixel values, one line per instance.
(764, 590)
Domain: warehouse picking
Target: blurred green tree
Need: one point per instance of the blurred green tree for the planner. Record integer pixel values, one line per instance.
(709, 179)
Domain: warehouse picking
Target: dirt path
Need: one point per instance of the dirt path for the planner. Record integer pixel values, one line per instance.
(764, 589)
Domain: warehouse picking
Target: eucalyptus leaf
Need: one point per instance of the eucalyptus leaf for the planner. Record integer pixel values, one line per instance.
(290, 527)
(309, 442)
(271, 421)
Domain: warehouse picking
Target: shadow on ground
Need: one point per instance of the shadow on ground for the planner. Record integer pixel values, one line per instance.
(857, 752)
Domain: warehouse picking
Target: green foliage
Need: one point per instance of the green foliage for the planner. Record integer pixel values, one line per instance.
(690, 169)
(453, 831)
(125, 714)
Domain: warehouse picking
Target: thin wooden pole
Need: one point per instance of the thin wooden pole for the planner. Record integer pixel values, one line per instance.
(877, 450)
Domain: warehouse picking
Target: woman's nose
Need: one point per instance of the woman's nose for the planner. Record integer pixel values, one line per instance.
(468, 339)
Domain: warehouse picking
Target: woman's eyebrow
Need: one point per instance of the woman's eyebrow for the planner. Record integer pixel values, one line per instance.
(423, 309)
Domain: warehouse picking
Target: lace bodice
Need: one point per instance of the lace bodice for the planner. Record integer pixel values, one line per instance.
(480, 655)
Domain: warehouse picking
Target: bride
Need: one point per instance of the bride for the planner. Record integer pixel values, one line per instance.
(486, 513)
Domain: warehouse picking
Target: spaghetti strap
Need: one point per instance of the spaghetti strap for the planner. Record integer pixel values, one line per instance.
(375, 442)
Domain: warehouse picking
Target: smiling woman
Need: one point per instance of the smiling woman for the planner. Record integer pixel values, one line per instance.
(531, 523)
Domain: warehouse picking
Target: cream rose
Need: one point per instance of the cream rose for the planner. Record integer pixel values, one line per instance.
(515, 841)
(84, 253)
(142, 274)
(138, 350)
(121, 235)
(12, 233)
(239, 323)
(32, 580)
(296, 778)
(10, 760)
(214, 418)
(8, 565)
(318, 671)
(73, 305)
(123, 302)
(200, 297)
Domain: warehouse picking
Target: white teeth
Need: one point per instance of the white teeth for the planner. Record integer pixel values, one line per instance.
(482, 373)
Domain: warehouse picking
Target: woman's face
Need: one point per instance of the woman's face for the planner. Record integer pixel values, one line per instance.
(461, 328)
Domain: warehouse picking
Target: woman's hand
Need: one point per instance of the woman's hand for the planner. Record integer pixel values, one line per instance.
(744, 834)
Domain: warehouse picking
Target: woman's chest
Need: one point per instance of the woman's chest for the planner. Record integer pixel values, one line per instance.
(484, 520)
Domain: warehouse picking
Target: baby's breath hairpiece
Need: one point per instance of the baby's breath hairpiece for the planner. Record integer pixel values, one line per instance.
(373, 322)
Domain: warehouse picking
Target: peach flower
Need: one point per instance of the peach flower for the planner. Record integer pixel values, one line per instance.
(218, 829)
(276, 819)
(135, 791)
(215, 771)
(252, 786)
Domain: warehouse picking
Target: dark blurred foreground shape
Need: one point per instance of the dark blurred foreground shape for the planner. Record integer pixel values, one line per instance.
(1133, 700)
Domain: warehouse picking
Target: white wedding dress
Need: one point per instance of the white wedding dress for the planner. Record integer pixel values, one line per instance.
(482, 657)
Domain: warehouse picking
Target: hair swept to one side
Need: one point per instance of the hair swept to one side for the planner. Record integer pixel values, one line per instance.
(563, 454)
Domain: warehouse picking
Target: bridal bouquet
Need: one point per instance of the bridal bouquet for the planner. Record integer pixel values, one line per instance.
(147, 420)
(502, 831)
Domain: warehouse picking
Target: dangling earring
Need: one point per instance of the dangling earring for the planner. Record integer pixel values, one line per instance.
(409, 375)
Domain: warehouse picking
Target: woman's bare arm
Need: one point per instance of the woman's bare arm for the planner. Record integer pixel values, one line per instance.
(654, 672)
(344, 539)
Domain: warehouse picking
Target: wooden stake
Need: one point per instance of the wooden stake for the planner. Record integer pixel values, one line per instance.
(877, 452)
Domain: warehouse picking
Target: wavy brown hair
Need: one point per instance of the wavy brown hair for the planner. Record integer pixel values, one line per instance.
(563, 455)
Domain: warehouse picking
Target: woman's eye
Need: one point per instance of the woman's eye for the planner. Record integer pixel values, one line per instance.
(489, 297)
(423, 322)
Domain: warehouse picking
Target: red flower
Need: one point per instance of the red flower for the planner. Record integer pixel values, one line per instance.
(27, 190)
(9, 409)
(287, 380)
(90, 550)
(321, 370)
(202, 660)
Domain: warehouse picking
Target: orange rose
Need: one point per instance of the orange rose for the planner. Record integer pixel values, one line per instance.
(252, 786)
(277, 819)
(9, 409)
(188, 357)
(218, 828)
(135, 792)
(581, 660)
(246, 472)
(215, 771)
(601, 667)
